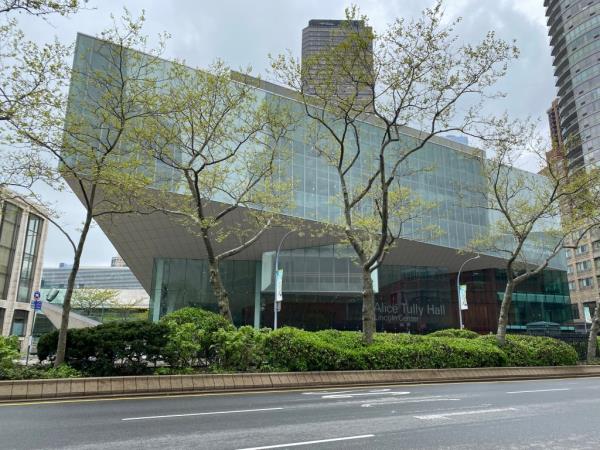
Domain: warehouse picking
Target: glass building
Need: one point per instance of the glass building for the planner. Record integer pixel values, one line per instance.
(416, 286)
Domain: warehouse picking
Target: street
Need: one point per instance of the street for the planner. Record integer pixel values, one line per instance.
(548, 414)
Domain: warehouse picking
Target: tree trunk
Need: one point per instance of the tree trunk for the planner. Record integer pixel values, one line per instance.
(592, 340)
(368, 308)
(219, 289)
(64, 323)
(503, 317)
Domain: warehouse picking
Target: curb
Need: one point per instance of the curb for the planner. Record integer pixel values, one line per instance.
(156, 385)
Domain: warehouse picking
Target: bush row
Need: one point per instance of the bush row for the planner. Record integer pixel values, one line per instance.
(193, 339)
(297, 350)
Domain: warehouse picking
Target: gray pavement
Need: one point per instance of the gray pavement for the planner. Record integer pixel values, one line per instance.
(540, 414)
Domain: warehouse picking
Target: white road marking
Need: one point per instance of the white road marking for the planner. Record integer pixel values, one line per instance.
(326, 392)
(408, 400)
(462, 413)
(538, 390)
(201, 414)
(321, 441)
(360, 394)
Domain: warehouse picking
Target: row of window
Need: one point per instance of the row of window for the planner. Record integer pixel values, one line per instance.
(582, 283)
(10, 222)
(583, 249)
(582, 29)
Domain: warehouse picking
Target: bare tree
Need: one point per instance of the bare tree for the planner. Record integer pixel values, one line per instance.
(31, 75)
(90, 140)
(527, 230)
(414, 74)
(221, 143)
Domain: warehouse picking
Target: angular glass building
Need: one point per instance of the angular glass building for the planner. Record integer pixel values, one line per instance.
(416, 286)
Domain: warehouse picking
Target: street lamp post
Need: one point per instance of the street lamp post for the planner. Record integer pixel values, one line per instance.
(460, 321)
(276, 304)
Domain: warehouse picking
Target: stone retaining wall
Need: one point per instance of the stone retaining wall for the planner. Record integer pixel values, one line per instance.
(24, 390)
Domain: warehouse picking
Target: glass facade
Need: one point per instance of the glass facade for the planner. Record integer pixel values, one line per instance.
(9, 233)
(91, 277)
(177, 283)
(32, 238)
(322, 284)
(409, 299)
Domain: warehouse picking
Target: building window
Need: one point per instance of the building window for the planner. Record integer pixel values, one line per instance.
(9, 233)
(584, 266)
(575, 311)
(596, 245)
(572, 286)
(19, 323)
(29, 258)
(2, 313)
(581, 249)
(586, 283)
(569, 269)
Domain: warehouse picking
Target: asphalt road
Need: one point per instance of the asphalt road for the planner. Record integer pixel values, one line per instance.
(541, 414)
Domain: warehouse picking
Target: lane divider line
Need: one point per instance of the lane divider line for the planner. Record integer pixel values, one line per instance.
(362, 394)
(201, 414)
(402, 402)
(321, 441)
(462, 413)
(538, 390)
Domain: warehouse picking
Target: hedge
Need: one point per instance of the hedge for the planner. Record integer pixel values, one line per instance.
(524, 350)
(453, 332)
(297, 350)
(115, 348)
(192, 337)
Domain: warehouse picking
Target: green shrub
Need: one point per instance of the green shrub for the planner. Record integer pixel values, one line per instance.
(524, 350)
(296, 350)
(190, 339)
(453, 332)
(37, 372)
(240, 350)
(436, 353)
(174, 371)
(9, 352)
(293, 350)
(115, 348)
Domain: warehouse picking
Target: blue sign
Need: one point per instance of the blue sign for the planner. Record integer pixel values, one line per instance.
(37, 295)
(36, 305)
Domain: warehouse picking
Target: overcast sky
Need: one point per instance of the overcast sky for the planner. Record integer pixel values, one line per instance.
(245, 32)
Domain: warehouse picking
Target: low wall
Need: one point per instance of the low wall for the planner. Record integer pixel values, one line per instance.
(26, 390)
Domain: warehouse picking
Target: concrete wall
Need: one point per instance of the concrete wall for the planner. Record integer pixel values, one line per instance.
(23, 390)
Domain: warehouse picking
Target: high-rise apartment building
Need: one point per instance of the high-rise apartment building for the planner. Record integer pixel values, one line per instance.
(352, 65)
(574, 29)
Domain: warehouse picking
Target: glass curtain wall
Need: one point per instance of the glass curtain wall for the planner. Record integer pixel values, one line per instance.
(178, 283)
(30, 252)
(9, 233)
